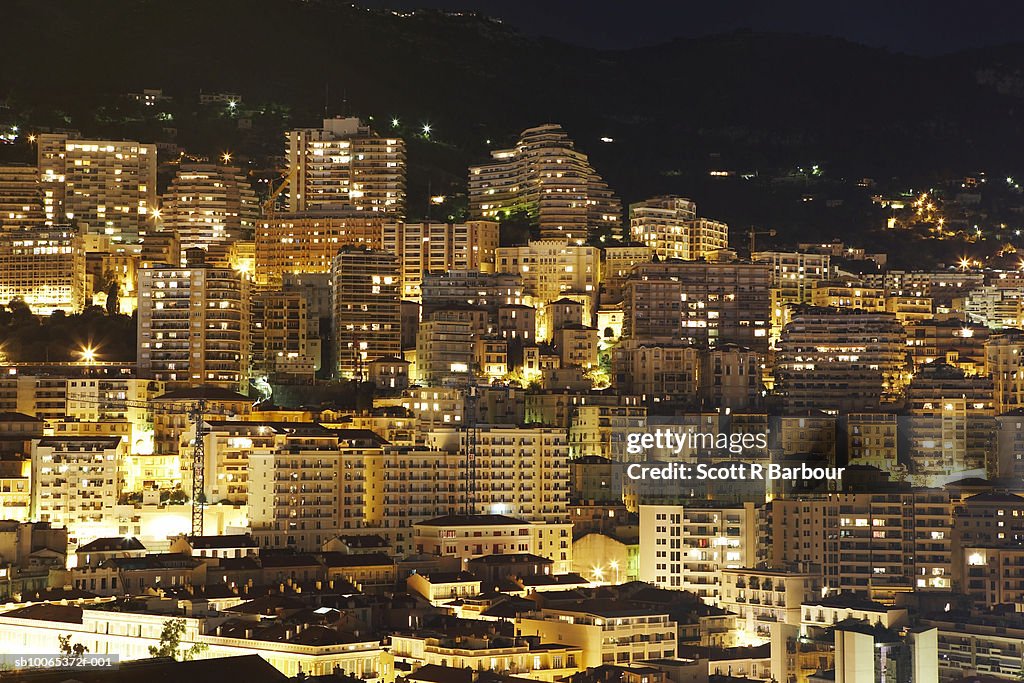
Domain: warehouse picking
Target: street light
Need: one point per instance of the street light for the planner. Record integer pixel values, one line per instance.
(88, 354)
(225, 157)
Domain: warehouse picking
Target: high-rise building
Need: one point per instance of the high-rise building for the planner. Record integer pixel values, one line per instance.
(874, 544)
(707, 303)
(194, 326)
(484, 291)
(438, 248)
(794, 275)
(952, 341)
(76, 481)
(952, 425)
(1004, 363)
(306, 243)
(656, 370)
(282, 346)
(551, 181)
(520, 471)
(839, 359)
(444, 351)
(367, 309)
(730, 377)
(690, 546)
(670, 226)
(616, 265)
(345, 165)
(21, 197)
(554, 270)
(210, 206)
(110, 185)
(45, 267)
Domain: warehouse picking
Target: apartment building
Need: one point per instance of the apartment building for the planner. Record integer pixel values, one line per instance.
(839, 359)
(109, 185)
(482, 291)
(762, 599)
(45, 267)
(670, 227)
(280, 337)
(295, 244)
(471, 536)
(688, 547)
(952, 341)
(194, 326)
(546, 177)
(438, 248)
(76, 482)
(874, 544)
(552, 269)
(1004, 363)
(616, 265)
(610, 632)
(21, 197)
(367, 309)
(793, 277)
(519, 471)
(989, 644)
(707, 303)
(872, 439)
(952, 426)
(993, 574)
(658, 371)
(602, 430)
(444, 352)
(730, 377)
(345, 165)
(210, 206)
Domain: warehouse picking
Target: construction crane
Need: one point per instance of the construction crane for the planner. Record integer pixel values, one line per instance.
(271, 201)
(470, 401)
(197, 411)
(753, 233)
(470, 411)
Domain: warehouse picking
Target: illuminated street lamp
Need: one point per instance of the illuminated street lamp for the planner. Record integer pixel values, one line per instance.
(426, 129)
(88, 354)
(225, 157)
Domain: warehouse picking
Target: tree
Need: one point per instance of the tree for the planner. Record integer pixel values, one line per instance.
(113, 304)
(69, 650)
(170, 641)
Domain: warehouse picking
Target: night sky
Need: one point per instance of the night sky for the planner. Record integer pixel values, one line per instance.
(925, 27)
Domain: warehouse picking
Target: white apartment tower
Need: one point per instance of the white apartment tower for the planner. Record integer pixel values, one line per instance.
(110, 185)
(345, 165)
(75, 483)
